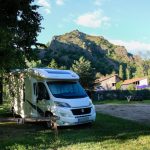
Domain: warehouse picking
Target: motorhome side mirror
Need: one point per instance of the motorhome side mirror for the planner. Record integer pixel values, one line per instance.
(40, 100)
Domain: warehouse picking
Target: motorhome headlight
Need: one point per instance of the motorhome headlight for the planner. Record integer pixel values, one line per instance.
(65, 114)
(90, 103)
(62, 104)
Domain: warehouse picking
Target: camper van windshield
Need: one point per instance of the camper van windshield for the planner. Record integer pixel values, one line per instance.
(67, 90)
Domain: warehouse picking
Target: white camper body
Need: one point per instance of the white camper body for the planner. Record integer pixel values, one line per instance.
(38, 93)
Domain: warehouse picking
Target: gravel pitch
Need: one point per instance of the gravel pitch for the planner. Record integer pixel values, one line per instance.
(135, 112)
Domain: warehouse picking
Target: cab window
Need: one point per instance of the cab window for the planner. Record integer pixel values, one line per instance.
(42, 91)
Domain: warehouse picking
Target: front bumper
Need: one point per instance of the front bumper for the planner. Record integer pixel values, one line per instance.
(67, 116)
(75, 120)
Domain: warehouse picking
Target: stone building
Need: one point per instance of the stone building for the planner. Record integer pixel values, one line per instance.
(108, 82)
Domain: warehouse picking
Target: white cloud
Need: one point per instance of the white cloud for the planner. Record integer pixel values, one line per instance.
(93, 19)
(46, 4)
(135, 47)
(59, 2)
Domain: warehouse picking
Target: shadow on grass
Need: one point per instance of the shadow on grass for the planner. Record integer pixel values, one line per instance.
(36, 136)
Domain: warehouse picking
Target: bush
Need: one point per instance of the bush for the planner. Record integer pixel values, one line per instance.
(121, 95)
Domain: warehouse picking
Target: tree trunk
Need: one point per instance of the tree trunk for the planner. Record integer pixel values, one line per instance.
(1, 90)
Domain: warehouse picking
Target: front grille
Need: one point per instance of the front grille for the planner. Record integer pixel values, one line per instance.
(81, 111)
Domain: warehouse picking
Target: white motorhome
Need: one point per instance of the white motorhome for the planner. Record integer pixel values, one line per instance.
(44, 92)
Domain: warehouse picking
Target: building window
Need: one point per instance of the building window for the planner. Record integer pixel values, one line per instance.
(113, 84)
(137, 82)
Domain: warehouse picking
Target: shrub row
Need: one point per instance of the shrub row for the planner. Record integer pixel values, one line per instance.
(120, 95)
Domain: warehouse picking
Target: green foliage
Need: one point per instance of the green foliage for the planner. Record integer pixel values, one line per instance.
(9, 56)
(84, 69)
(128, 73)
(63, 68)
(131, 87)
(118, 85)
(139, 71)
(53, 64)
(19, 27)
(121, 75)
(149, 76)
(34, 64)
(146, 68)
(137, 95)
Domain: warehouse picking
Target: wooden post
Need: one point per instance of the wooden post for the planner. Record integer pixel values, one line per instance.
(54, 125)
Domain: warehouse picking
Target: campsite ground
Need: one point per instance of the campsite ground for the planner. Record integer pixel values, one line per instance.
(135, 112)
(106, 133)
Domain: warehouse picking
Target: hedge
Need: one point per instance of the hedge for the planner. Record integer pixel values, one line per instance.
(120, 95)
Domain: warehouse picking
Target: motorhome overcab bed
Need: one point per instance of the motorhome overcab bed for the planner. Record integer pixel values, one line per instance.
(38, 93)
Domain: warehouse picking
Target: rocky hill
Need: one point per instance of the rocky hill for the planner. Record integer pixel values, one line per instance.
(104, 56)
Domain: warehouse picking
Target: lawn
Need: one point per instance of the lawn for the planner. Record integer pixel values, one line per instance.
(107, 133)
(121, 102)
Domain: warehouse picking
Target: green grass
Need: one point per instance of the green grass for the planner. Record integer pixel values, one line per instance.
(121, 102)
(107, 132)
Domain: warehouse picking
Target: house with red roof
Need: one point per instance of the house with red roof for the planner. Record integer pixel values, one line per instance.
(138, 83)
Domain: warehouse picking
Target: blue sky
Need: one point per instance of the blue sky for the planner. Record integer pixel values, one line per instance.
(123, 22)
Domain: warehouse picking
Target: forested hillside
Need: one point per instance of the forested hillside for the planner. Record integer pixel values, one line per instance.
(105, 57)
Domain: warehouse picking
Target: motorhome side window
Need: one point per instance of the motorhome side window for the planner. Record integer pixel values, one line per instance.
(42, 91)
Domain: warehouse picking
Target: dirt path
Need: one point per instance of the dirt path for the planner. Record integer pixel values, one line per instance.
(135, 112)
